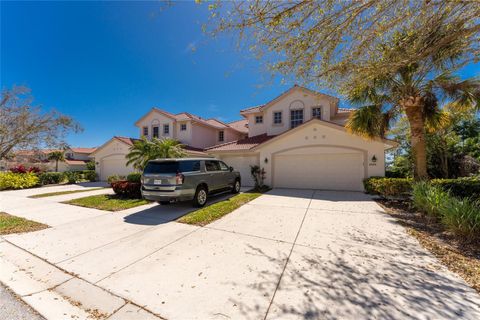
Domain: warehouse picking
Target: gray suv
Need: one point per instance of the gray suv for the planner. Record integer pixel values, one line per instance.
(164, 180)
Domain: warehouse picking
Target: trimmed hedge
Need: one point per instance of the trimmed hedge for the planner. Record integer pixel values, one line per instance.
(461, 187)
(51, 177)
(388, 187)
(400, 187)
(10, 180)
(127, 189)
(115, 178)
(134, 177)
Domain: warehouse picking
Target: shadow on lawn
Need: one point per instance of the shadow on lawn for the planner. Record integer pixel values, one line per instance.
(159, 214)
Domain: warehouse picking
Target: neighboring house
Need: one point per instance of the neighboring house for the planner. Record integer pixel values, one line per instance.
(298, 138)
(75, 159)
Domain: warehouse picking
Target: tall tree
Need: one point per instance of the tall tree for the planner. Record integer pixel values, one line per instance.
(336, 42)
(144, 150)
(56, 156)
(23, 126)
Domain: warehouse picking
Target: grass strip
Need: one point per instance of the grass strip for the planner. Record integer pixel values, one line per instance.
(60, 193)
(107, 202)
(206, 215)
(12, 224)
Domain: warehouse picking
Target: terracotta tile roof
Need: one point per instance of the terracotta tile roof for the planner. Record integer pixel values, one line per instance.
(244, 144)
(240, 125)
(252, 109)
(75, 162)
(217, 123)
(126, 140)
(83, 150)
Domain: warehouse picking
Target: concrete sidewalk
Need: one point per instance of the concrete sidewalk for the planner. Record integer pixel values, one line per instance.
(299, 254)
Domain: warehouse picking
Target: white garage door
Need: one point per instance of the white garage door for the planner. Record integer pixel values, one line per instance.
(242, 164)
(114, 166)
(319, 171)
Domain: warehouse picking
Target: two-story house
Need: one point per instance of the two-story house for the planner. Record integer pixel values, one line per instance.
(299, 139)
(194, 132)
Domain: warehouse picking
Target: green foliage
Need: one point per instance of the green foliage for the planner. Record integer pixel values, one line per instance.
(10, 180)
(144, 150)
(428, 198)
(126, 189)
(90, 165)
(461, 187)
(89, 175)
(51, 178)
(459, 215)
(258, 175)
(134, 177)
(115, 178)
(388, 187)
(72, 176)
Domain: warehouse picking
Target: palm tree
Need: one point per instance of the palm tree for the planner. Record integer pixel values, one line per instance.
(144, 150)
(56, 156)
(416, 94)
(414, 90)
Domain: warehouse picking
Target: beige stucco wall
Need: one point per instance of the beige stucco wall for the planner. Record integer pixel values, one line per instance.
(318, 138)
(204, 136)
(241, 163)
(155, 118)
(184, 137)
(297, 99)
(113, 150)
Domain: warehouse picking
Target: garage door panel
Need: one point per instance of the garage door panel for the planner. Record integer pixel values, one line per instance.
(114, 166)
(319, 171)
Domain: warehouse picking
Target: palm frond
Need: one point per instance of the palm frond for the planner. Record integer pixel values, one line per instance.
(368, 121)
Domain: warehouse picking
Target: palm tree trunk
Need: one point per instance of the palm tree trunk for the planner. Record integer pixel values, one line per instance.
(56, 165)
(413, 110)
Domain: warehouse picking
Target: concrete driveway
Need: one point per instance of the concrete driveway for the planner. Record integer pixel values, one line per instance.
(299, 254)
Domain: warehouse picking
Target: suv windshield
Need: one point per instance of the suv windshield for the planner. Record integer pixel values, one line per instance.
(172, 167)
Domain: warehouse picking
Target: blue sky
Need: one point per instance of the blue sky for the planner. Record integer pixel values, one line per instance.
(108, 63)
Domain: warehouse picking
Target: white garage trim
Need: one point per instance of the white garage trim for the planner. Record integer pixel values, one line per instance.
(363, 152)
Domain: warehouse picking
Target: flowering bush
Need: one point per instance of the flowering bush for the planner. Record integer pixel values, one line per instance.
(22, 169)
(127, 189)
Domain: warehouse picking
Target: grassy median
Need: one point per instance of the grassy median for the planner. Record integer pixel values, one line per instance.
(107, 202)
(12, 224)
(210, 213)
(61, 193)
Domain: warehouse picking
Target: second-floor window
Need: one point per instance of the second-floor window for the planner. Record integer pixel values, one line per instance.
(221, 136)
(277, 117)
(258, 119)
(145, 131)
(155, 132)
(183, 127)
(166, 129)
(317, 113)
(296, 118)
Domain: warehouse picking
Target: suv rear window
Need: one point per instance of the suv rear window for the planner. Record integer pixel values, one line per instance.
(172, 167)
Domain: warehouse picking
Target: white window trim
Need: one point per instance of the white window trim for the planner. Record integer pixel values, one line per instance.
(223, 136)
(260, 116)
(153, 131)
(290, 116)
(321, 112)
(281, 118)
(183, 125)
(166, 125)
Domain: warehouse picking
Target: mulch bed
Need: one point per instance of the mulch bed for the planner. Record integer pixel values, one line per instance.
(458, 255)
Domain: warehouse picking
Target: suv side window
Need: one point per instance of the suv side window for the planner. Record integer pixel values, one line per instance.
(189, 166)
(212, 165)
(223, 166)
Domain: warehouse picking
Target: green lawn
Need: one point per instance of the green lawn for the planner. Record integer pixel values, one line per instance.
(51, 194)
(12, 224)
(217, 210)
(107, 202)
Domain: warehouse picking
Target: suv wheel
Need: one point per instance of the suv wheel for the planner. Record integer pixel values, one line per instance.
(200, 197)
(236, 186)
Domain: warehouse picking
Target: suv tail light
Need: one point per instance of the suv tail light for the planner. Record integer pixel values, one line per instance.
(179, 178)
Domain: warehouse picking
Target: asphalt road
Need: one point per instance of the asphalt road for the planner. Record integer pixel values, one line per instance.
(12, 307)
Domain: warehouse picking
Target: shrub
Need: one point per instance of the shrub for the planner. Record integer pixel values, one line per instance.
(72, 176)
(22, 169)
(134, 177)
(461, 187)
(51, 177)
(388, 187)
(258, 175)
(115, 178)
(127, 189)
(90, 165)
(462, 217)
(89, 175)
(428, 198)
(10, 180)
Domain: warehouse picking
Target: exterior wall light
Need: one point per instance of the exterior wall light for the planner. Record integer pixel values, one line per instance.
(374, 159)
(266, 160)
